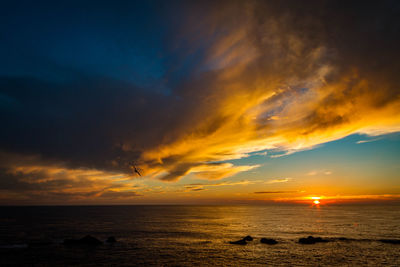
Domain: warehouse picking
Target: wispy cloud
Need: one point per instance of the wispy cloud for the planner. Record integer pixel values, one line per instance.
(319, 172)
(200, 186)
(274, 192)
(210, 171)
(194, 188)
(368, 140)
(274, 181)
(226, 183)
(260, 153)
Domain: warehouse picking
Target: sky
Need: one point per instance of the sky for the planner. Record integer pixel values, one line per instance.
(211, 101)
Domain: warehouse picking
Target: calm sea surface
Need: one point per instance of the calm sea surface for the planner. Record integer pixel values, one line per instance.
(200, 235)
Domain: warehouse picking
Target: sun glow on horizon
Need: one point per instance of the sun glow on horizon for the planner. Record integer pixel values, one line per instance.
(316, 200)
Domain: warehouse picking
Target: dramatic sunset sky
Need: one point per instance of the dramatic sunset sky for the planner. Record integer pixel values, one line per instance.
(213, 101)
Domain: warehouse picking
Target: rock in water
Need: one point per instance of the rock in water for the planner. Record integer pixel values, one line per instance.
(390, 241)
(248, 238)
(268, 241)
(111, 239)
(311, 240)
(239, 242)
(85, 241)
(90, 240)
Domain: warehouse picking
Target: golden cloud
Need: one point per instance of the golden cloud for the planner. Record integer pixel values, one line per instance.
(28, 178)
(276, 81)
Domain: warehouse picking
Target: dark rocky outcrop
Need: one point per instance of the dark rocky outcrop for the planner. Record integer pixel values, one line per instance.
(248, 238)
(268, 241)
(312, 240)
(239, 242)
(390, 241)
(85, 241)
(242, 241)
(111, 239)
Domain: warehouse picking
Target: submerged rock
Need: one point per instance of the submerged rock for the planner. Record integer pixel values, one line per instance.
(390, 241)
(239, 242)
(268, 241)
(85, 241)
(311, 240)
(248, 238)
(111, 239)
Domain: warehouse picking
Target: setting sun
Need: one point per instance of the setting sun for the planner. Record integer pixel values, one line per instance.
(316, 200)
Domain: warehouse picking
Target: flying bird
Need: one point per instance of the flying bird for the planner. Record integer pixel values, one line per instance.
(135, 169)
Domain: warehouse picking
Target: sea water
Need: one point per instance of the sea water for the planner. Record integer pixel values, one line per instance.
(199, 235)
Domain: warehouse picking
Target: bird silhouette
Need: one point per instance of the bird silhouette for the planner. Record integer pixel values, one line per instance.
(135, 169)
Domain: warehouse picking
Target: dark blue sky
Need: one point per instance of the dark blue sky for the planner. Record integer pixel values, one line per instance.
(60, 41)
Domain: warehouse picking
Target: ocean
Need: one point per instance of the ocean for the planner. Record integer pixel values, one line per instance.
(187, 235)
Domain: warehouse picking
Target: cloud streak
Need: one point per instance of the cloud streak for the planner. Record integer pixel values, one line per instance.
(319, 172)
(274, 192)
(200, 186)
(367, 141)
(274, 181)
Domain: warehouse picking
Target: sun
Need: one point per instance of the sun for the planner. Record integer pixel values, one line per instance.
(316, 200)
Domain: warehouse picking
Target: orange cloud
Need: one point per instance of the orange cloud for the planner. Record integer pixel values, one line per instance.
(30, 179)
(270, 86)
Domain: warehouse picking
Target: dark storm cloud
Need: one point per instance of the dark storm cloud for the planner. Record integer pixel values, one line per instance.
(84, 122)
(174, 87)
